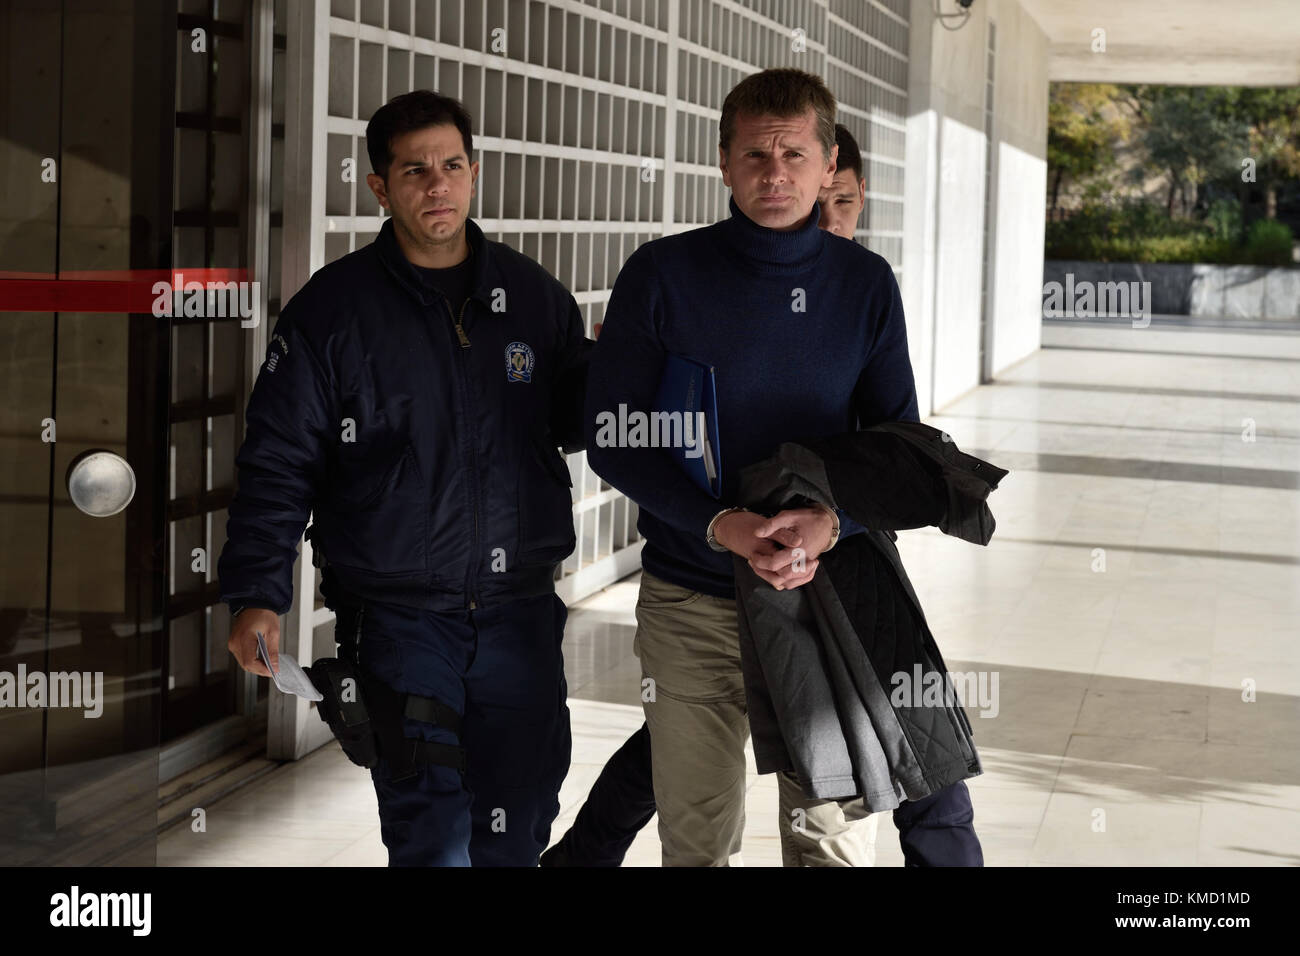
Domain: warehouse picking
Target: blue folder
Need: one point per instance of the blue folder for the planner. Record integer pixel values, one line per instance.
(687, 386)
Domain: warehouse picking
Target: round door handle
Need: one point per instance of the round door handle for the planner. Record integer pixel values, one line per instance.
(100, 483)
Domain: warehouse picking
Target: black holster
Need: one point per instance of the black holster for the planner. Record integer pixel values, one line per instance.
(366, 714)
(343, 708)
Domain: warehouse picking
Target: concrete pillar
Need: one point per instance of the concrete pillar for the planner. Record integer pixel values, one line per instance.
(944, 227)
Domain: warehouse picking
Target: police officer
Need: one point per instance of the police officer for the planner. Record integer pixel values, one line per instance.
(412, 402)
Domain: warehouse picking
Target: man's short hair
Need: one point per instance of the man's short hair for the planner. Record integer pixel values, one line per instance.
(412, 111)
(849, 156)
(780, 92)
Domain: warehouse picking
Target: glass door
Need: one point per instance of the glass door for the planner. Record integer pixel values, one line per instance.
(86, 140)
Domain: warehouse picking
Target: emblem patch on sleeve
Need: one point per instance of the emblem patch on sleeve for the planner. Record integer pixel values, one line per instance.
(273, 357)
(519, 362)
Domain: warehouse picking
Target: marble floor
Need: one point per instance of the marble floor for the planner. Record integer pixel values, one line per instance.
(1137, 613)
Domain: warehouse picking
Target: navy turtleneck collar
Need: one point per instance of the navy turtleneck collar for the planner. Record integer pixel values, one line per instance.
(773, 250)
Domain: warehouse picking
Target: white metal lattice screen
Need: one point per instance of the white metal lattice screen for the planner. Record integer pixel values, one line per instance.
(596, 130)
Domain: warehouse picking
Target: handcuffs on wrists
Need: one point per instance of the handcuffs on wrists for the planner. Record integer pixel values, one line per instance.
(716, 546)
(708, 535)
(835, 526)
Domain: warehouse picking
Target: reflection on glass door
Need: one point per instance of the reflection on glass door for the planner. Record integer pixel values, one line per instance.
(221, 198)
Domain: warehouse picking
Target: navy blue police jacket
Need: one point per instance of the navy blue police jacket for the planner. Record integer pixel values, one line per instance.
(421, 436)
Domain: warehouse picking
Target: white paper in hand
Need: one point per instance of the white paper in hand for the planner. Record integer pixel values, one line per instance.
(291, 679)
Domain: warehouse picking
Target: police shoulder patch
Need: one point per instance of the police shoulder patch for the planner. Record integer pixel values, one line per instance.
(272, 356)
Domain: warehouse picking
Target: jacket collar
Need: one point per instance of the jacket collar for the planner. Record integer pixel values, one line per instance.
(408, 277)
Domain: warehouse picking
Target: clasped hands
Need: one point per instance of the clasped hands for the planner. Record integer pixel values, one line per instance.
(782, 549)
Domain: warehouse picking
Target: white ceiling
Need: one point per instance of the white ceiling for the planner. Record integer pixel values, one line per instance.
(1188, 42)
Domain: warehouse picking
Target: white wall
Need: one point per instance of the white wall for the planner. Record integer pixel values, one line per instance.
(1020, 170)
(943, 239)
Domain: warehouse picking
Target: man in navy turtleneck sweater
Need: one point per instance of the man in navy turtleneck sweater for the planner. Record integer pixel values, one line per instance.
(806, 335)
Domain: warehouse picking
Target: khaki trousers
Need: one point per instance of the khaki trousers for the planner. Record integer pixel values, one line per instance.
(694, 700)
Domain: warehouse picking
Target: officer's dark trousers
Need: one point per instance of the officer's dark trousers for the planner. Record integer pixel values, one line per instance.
(501, 669)
(621, 802)
(937, 830)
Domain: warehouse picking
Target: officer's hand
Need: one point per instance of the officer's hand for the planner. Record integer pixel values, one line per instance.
(778, 566)
(243, 639)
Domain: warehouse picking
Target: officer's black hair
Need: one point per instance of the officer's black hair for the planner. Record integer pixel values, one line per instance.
(849, 157)
(412, 111)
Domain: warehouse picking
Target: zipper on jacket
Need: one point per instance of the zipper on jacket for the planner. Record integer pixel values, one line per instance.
(458, 323)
